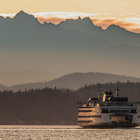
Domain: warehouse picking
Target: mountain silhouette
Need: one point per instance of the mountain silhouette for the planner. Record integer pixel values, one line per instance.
(25, 30)
(24, 18)
(76, 80)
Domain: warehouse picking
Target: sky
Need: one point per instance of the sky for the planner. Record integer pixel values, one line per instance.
(125, 13)
(90, 6)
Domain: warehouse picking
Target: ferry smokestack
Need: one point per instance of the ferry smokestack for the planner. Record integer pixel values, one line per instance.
(117, 90)
(99, 92)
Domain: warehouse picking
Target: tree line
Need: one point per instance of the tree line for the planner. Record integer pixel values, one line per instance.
(52, 105)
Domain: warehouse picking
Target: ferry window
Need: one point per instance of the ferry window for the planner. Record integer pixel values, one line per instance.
(105, 111)
(133, 111)
(116, 111)
(97, 116)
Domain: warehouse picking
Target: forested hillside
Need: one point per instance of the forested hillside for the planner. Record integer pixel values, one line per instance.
(53, 106)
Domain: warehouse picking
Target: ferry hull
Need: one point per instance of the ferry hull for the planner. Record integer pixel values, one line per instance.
(107, 120)
(108, 125)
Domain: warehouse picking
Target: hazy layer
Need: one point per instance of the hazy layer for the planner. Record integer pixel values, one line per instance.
(25, 67)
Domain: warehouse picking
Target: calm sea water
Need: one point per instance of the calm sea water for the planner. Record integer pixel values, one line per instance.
(66, 133)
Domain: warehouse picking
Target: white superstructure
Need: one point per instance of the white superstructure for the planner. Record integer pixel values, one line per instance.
(108, 110)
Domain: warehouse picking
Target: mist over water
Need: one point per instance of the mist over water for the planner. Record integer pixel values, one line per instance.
(66, 133)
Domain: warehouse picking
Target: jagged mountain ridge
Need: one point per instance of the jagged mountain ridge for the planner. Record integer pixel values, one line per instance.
(24, 29)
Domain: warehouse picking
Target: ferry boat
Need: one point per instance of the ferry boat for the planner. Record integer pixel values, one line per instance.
(108, 111)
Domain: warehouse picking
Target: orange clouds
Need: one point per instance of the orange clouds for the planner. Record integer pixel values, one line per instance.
(104, 23)
(53, 20)
(107, 22)
(135, 30)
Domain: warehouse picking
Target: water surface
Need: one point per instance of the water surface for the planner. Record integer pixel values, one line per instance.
(47, 132)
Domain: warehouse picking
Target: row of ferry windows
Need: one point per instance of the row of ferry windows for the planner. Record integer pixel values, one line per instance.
(93, 116)
(85, 110)
(115, 111)
(85, 121)
(111, 111)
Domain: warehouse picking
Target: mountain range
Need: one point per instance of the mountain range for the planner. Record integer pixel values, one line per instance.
(30, 50)
(74, 81)
(25, 30)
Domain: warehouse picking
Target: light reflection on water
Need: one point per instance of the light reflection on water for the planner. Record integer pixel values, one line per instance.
(59, 132)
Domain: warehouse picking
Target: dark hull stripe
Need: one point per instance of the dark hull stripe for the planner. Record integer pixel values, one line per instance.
(111, 126)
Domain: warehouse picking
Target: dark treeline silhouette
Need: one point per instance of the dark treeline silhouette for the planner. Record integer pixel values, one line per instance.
(53, 106)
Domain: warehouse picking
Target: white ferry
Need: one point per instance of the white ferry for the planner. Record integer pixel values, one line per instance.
(108, 111)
